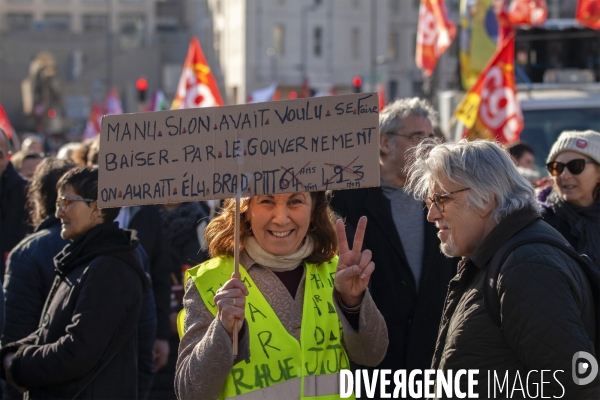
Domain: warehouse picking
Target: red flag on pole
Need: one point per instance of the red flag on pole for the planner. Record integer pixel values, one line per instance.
(92, 126)
(490, 110)
(5, 123)
(588, 13)
(197, 85)
(435, 33)
(527, 12)
(381, 92)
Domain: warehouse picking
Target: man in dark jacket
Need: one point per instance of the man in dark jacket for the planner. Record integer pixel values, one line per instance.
(146, 221)
(13, 216)
(411, 276)
(478, 201)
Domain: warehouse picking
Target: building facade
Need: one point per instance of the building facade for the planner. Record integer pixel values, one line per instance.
(322, 43)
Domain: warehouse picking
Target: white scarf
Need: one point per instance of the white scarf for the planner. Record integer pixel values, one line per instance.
(278, 263)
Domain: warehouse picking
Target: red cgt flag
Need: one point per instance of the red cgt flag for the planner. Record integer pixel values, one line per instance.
(5, 123)
(527, 12)
(490, 110)
(197, 85)
(435, 33)
(588, 13)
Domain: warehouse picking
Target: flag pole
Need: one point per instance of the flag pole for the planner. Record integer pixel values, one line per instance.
(236, 263)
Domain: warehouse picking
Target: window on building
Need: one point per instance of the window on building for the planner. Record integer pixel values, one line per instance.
(392, 46)
(57, 22)
(19, 22)
(94, 23)
(356, 3)
(318, 42)
(279, 38)
(395, 6)
(131, 31)
(317, 2)
(355, 43)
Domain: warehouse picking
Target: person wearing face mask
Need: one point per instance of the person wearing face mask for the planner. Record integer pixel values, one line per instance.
(301, 312)
(572, 204)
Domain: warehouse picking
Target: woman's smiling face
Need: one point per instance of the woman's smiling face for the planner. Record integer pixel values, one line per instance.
(280, 222)
(577, 189)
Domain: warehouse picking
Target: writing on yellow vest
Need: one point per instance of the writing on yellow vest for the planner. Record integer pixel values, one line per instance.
(277, 360)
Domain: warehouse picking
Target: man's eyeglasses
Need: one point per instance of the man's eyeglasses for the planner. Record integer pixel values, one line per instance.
(574, 166)
(63, 202)
(415, 138)
(440, 199)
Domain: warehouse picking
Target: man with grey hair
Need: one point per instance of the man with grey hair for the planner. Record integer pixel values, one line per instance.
(411, 276)
(13, 216)
(479, 202)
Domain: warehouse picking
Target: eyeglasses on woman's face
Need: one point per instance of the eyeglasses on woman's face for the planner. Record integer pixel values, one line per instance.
(63, 201)
(575, 166)
(440, 199)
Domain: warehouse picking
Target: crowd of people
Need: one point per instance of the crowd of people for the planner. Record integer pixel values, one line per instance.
(142, 302)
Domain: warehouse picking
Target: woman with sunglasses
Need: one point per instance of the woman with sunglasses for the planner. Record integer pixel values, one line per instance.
(86, 343)
(572, 203)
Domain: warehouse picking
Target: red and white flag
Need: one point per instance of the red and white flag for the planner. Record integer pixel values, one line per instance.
(112, 103)
(264, 94)
(435, 33)
(5, 123)
(588, 13)
(527, 12)
(92, 126)
(197, 85)
(490, 110)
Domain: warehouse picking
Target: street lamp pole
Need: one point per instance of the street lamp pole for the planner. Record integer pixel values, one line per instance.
(109, 45)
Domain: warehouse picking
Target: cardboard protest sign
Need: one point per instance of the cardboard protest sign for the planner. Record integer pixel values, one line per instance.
(264, 148)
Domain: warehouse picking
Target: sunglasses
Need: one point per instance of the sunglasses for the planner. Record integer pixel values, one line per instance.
(440, 199)
(63, 202)
(575, 167)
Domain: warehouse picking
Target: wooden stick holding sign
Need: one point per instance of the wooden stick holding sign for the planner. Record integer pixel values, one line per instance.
(236, 266)
(312, 144)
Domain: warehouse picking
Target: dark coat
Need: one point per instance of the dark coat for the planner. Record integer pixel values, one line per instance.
(146, 221)
(13, 215)
(87, 338)
(412, 316)
(547, 313)
(29, 276)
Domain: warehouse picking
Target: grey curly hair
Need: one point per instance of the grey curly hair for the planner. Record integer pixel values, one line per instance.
(480, 165)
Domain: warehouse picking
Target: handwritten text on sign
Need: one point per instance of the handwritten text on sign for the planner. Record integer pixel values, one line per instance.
(209, 153)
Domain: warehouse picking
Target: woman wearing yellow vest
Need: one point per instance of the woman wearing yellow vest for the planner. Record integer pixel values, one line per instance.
(302, 311)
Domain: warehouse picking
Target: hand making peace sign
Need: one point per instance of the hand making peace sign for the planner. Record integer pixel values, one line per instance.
(354, 267)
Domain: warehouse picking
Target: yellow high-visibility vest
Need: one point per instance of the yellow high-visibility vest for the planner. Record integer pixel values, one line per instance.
(290, 369)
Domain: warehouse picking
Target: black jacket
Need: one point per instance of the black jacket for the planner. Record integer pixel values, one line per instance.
(146, 221)
(29, 276)
(13, 215)
(88, 332)
(547, 315)
(412, 316)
